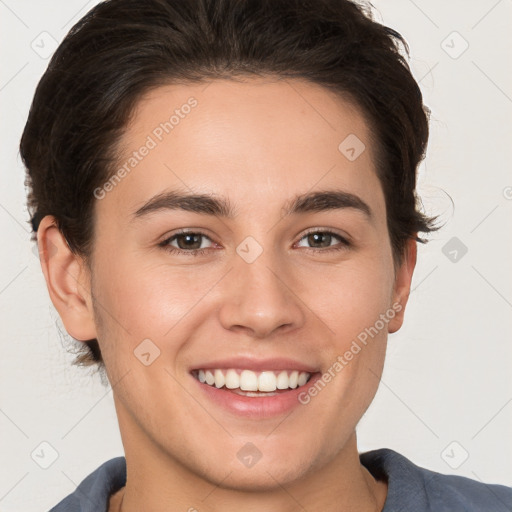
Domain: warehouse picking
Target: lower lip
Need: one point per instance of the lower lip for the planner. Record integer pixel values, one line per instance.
(256, 407)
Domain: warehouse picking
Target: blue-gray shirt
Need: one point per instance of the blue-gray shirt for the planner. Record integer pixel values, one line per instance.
(410, 488)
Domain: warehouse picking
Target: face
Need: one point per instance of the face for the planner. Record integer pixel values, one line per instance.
(284, 274)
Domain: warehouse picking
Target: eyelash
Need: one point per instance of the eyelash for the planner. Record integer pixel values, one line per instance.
(344, 243)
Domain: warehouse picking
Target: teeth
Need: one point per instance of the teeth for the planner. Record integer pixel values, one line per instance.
(210, 379)
(232, 379)
(267, 381)
(282, 380)
(249, 381)
(219, 379)
(302, 379)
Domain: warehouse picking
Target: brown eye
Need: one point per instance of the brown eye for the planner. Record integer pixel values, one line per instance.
(323, 240)
(190, 243)
(320, 239)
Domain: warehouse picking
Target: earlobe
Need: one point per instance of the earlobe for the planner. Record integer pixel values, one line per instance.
(402, 287)
(67, 281)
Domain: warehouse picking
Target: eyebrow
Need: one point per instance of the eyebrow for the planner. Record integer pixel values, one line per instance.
(206, 204)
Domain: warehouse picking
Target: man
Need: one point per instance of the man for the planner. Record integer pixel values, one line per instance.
(223, 195)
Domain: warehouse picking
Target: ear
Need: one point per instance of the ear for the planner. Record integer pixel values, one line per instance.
(67, 279)
(402, 286)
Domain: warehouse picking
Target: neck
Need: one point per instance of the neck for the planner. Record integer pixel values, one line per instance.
(157, 483)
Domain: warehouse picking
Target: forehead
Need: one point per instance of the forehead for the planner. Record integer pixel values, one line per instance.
(258, 140)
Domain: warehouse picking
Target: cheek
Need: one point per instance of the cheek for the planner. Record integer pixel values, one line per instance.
(158, 301)
(146, 301)
(353, 301)
(351, 297)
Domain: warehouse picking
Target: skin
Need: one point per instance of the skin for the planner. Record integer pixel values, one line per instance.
(257, 142)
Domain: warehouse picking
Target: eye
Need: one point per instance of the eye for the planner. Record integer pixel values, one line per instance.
(323, 239)
(186, 242)
(195, 243)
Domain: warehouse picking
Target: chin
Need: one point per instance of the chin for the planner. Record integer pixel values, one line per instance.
(263, 476)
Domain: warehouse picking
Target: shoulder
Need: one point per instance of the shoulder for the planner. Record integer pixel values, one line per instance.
(94, 491)
(417, 489)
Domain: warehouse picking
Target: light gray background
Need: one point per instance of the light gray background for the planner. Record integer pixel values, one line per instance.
(446, 391)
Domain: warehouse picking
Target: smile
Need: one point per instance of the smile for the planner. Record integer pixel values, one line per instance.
(250, 383)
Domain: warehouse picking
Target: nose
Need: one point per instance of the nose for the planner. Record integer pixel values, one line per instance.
(259, 300)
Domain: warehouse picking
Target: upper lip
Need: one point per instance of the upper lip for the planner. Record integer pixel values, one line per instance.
(256, 365)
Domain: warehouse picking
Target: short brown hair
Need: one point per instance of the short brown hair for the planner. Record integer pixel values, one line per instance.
(123, 48)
